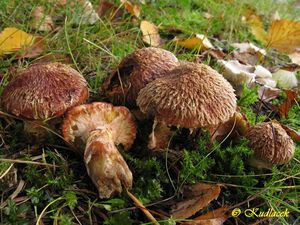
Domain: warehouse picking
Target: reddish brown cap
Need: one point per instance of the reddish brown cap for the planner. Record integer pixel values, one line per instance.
(194, 95)
(44, 91)
(137, 70)
(81, 120)
(271, 143)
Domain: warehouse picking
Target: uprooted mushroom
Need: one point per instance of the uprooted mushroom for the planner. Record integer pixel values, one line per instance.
(99, 129)
(271, 144)
(43, 92)
(191, 96)
(135, 71)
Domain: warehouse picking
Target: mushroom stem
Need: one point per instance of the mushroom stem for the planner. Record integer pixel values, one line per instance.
(35, 129)
(105, 165)
(160, 136)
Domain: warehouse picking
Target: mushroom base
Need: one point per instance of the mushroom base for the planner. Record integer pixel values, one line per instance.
(258, 163)
(105, 165)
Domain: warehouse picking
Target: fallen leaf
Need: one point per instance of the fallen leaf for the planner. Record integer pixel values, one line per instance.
(41, 21)
(284, 35)
(295, 57)
(266, 93)
(197, 196)
(291, 97)
(292, 133)
(214, 217)
(285, 79)
(135, 10)
(256, 25)
(106, 8)
(33, 50)
(150, 34)
(200, 41)
(232, 130)
(13, 39)
(251, 49)
(217, 54)
(89, 15)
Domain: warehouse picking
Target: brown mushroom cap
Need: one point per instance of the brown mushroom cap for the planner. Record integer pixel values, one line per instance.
(44, 91)
(135, 71)
(194, 95)
(271, 143)
(81, 120)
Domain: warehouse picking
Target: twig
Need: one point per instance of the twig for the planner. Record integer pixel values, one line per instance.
(27, 162)
(142, 207)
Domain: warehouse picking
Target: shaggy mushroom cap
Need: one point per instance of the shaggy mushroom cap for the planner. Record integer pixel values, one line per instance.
(81, 120)
(44, 91)
(135, 71)
(193, 95)
(271, 143)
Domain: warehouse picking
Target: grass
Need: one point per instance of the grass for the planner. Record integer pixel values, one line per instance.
(57, 190)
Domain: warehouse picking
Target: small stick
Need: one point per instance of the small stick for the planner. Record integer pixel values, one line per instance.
(142, 207)
(27, 162)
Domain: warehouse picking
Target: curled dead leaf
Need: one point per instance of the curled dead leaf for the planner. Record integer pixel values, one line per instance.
(134, 10)
(266, 93)
(150, 33)
(291, 97)
(292, 133)
(197, 196)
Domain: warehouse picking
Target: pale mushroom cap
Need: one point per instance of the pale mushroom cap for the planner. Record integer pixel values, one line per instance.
(138, 69)
(194, 95)
(271, 143)
(44, 91)
(81, 120)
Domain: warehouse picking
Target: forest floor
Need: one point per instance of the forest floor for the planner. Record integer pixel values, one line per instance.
(46, 183)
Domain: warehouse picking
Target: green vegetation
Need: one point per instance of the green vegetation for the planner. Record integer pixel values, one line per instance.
(57, 189)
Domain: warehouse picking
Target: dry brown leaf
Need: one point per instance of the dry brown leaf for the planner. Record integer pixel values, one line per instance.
(215, 217)
(135, 10)
(291, 97)
(106, 8)
(12, 40)
(41, 21)
(235, 128)
(197, 196)
(266, 93)
(284, 35)
(200, 41)
(292, 133)
(150, 34)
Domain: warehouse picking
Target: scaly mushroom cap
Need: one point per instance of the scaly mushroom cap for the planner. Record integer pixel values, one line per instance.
(81, 120)
(194, 95)
(137, 70)
(271, 143)
(44, 91)
(105, 165)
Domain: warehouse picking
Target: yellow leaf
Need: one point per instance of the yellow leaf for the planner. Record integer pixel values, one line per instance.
(257, 28)
(135, 10)
(150, 33)
(12, 40)
(199, 41)
(284, 35)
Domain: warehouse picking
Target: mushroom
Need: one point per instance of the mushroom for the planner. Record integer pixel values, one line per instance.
(97, 129)
(135, 71)
(192, 96)
(271, 145)
(43, 92)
